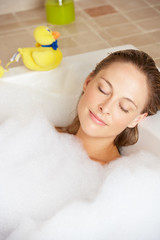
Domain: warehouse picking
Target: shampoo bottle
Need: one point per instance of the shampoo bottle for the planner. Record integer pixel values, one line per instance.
(60, 11)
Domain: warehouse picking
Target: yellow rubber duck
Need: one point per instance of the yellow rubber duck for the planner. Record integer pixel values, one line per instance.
(46, 55)
(2, 70)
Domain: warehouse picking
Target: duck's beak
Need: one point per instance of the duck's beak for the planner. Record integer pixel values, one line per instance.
(56, 35)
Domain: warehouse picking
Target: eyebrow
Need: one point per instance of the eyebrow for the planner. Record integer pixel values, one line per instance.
(130, 100)
(126, 98)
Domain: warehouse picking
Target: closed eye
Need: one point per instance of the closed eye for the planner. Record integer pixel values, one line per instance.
(101, 90)
(123, 109)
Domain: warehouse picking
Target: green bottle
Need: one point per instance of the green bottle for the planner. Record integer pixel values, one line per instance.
(60, 11)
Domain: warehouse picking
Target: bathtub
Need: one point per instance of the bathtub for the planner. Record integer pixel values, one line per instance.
(67, 81)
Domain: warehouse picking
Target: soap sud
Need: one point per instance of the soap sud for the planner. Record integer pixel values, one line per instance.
(51, 190)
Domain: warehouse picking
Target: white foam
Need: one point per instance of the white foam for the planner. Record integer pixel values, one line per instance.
(50, 189)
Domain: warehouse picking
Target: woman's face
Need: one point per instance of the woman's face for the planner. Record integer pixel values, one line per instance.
(112, 100)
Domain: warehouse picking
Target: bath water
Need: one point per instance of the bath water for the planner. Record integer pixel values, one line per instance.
(60, 12)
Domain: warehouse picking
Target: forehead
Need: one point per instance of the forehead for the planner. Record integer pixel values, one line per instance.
(124, 73)
(127, 80)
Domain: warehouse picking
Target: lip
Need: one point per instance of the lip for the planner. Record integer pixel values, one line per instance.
(96, 119)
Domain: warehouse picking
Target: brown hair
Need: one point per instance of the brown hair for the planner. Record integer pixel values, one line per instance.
(147, 66)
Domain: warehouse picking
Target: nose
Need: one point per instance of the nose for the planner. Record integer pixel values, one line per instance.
(106, 107)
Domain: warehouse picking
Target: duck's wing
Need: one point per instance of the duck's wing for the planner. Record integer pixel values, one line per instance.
(44, 58)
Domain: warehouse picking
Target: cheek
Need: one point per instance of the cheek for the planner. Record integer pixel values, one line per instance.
(82, 105)
(118, 120)
(87, 102)
(89, 97)
(122, 120)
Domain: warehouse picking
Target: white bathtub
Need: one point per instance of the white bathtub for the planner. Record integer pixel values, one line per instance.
(67, 80)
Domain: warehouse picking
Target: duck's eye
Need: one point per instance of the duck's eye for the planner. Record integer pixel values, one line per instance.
(48, 30)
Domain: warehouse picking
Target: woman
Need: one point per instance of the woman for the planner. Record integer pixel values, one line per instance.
(122, 90)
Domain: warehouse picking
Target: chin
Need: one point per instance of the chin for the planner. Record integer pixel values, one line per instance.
(93, 131)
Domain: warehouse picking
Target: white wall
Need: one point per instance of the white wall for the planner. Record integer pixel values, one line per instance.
(8, 6)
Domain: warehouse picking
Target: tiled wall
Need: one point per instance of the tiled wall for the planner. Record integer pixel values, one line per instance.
(99, 24)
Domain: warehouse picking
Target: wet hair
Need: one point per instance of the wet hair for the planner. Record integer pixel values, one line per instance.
(146, 65)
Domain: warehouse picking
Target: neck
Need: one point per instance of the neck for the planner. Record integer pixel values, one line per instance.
(98, 149)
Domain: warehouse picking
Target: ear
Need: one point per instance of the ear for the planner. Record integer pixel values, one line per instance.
(137, 120)
(87, 81)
